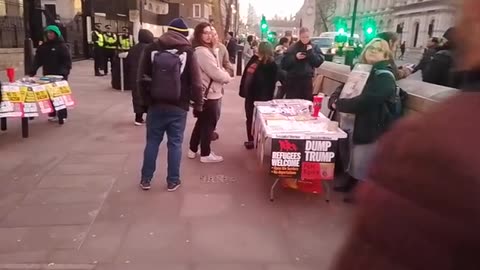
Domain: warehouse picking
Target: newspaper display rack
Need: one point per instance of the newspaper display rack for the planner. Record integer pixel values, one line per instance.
(29, 98)
(300, 149)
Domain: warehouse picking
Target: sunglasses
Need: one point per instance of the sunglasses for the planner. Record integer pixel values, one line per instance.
(375, 49)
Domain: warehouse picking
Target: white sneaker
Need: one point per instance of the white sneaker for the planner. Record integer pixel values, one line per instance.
(139, 124)
(191, 154)
(53, 119)
(212, 158)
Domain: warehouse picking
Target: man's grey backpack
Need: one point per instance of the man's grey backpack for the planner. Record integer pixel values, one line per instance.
(168, 66)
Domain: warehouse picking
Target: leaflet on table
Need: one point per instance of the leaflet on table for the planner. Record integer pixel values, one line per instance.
(42, 97)
(30, 108)
(66, 92)
(56, 97)
(12, 103)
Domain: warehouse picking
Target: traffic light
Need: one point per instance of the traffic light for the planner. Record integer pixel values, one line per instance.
(264, 26)
(370, 29)
(340, 25)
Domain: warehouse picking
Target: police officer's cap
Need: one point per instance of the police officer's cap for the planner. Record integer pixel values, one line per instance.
(108, 26)
(124, 28)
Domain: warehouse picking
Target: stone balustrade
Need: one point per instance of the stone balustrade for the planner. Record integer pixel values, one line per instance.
(422, 96)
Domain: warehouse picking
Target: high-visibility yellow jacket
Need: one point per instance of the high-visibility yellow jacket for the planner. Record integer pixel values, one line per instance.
(111, 41)
(98, 38)
(125, 43)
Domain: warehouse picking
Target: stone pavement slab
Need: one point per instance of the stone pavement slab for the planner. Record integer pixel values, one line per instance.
(70, 198)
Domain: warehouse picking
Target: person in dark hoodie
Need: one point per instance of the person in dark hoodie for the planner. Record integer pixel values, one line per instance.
(53, 55)
(258, 84)
(441, 70)
(421, 208)
(300, 62)
(167, 115)
(145, 38)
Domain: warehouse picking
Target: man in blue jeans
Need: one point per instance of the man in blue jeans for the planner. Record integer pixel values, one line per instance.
(167, 116)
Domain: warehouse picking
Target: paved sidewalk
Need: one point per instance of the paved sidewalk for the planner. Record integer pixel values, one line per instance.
(69, 198)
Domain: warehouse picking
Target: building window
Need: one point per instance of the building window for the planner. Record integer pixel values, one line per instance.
(206, 11)
(197, 11)
(431, 28)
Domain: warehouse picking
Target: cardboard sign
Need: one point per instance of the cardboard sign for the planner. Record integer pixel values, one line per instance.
(56, 97)
(30, 108)
(303, 164)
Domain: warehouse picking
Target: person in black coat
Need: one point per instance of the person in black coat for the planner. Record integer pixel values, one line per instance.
(442, 70)
(300, 62)
(54, 56)
(258, 83)
(145, 37)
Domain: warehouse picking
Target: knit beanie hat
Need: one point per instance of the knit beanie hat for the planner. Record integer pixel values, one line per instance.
(55, 29)
(178, 25)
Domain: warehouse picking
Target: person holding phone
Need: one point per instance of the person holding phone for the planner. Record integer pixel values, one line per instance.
(300, 62)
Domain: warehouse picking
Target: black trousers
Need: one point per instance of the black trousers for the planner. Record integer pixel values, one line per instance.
(204, 127)
(249, 108)
(299, 88)
(108, 55)
(98, 59)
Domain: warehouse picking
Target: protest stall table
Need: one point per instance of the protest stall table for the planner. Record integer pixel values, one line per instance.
(28, 98)
(299, 149)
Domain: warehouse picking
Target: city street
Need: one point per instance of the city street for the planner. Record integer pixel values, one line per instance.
(70, 198)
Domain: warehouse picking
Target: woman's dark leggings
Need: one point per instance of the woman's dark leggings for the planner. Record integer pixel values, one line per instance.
(204, 127)
(249, 109)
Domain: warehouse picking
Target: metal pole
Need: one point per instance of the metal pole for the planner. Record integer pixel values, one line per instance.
(28, 6)
(350, 52)
(122, 82)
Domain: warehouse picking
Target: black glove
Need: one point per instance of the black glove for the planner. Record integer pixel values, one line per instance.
(196, 113)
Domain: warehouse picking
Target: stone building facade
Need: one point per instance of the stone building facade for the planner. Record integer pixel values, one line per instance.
(414, 20)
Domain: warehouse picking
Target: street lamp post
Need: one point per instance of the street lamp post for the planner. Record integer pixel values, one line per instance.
(28, 7)
(350, 53)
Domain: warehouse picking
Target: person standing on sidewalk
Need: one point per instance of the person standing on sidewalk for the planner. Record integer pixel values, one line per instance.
(53, 55)
(145, 38)
(258, 84)
(98, 47)
(213, 78)
(403, 48)
(248, 49)
(125, 40)
(232, 47)
(280, 51)
(300, 62)
(171, 68)
(111, 45)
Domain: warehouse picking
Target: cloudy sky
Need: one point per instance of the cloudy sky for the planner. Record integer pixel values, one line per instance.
(271, 7)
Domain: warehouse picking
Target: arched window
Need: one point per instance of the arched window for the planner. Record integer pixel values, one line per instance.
(431, 28)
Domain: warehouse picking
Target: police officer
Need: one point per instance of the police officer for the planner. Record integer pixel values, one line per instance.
(125, 40)
(111, 42)
(98, 47)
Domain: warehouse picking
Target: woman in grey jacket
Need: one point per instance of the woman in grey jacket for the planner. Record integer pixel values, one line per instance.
(213, 78)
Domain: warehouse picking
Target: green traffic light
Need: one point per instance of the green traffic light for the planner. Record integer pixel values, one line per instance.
(264, 26)
(369, 30)
(341, 31)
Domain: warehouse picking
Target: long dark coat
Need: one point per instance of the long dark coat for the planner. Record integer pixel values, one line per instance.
(145, 38)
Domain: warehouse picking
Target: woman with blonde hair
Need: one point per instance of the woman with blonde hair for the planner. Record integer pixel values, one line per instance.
(420, 208)
(258, 83)
(371, 107)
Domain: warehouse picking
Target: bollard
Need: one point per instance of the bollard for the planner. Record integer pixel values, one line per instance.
(239, 63)
(3, 124)
(25, 127)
